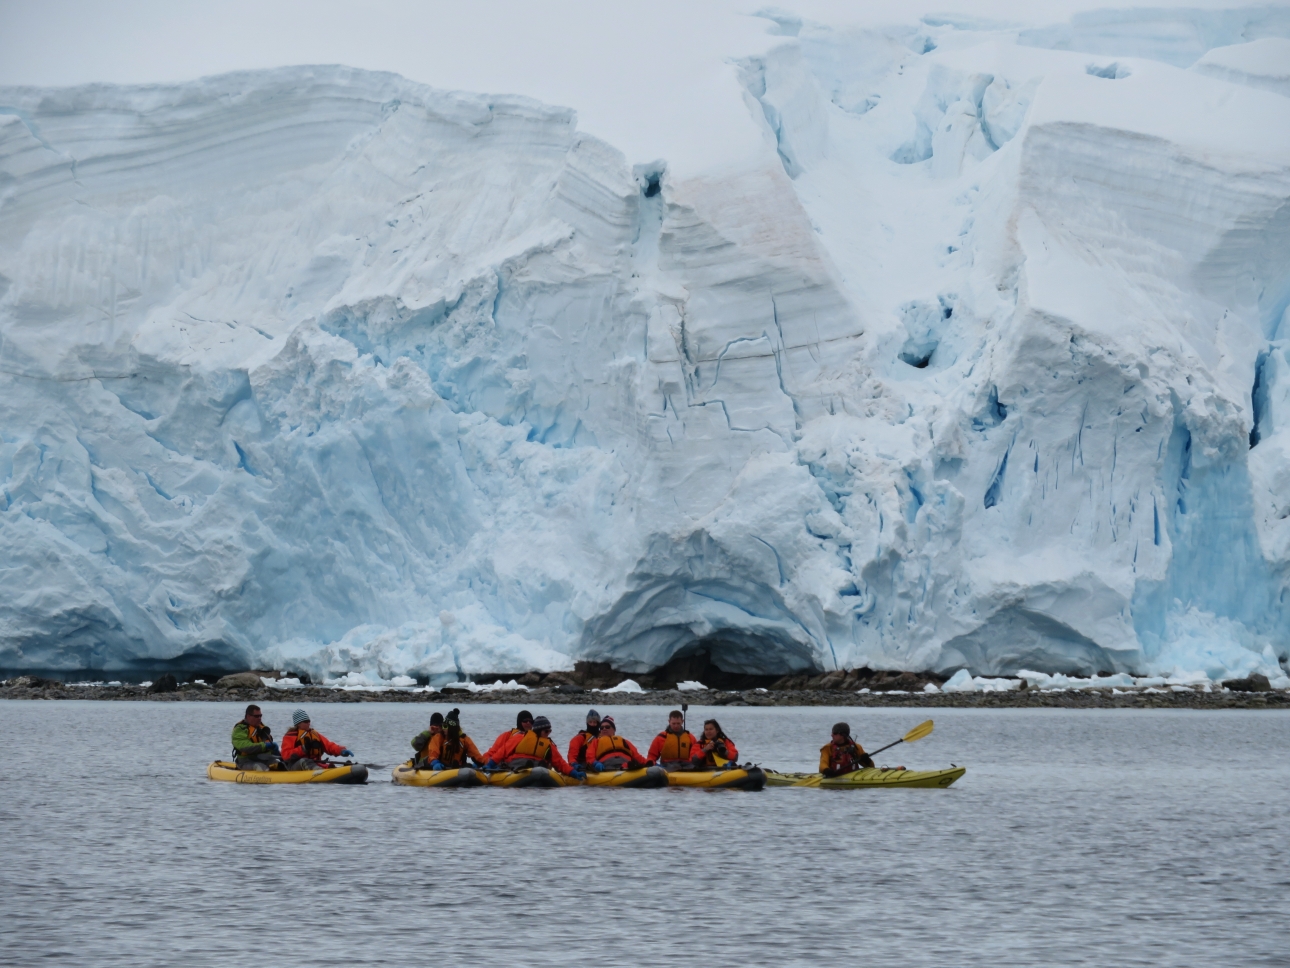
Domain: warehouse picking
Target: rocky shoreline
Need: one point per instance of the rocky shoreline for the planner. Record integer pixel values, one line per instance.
(33, 688)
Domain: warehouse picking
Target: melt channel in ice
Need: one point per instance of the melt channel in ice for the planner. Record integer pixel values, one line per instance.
(977, 359)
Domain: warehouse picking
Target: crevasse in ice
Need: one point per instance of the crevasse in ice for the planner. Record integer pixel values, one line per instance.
(981, 362)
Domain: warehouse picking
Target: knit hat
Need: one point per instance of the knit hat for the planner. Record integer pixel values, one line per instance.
(609, 721)
(298, 717)
(452, 720)
(841, 729)
(524, 716)
(541, 723)
(592, 714)
(436, 719)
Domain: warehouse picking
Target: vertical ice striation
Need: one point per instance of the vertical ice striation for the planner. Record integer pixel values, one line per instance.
(981, 361)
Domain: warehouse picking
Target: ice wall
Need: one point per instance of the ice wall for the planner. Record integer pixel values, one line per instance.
(979, 362)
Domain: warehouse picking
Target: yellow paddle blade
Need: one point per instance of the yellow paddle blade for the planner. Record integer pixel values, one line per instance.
(918, 732)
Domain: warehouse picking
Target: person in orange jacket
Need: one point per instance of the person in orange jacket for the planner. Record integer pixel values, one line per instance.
(303, 746)
(715, 744)
(579, 745)
(523, 723)
(613, 752)
(448, 749)
(843, 754)
(534, 748)
(675, 747)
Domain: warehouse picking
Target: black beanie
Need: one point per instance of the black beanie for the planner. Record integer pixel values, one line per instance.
(522, 717)
(436, 719)
(842, 729)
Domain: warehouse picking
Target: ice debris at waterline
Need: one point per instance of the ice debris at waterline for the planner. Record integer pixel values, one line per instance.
(976, 356)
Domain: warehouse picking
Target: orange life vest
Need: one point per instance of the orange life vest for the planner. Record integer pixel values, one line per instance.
(676, 749)
(531, 749)
(612, 751)
(451, 753)
(310, 744)
(588, 738)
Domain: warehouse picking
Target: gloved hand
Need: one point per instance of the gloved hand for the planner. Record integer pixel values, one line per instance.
(346, 753)
(578, 773)
(272, 748)
(436, 765)
(598, 767)
(649, 762)
(490, 765)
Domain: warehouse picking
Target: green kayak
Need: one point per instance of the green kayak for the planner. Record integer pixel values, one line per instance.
(868, 778)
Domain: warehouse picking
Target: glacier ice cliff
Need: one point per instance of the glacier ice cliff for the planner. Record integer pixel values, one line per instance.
(982, 361)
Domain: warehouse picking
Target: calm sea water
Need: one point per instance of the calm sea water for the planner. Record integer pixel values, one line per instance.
(1077, 837)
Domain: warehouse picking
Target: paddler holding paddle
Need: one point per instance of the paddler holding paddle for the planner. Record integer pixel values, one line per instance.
(843, 754)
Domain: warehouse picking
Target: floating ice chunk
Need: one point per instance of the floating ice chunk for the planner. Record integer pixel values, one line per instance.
(961, 681)
(403, 682)
(863, 692)
(627, 685)
(145, 685)
(691, 685)
(931, 687)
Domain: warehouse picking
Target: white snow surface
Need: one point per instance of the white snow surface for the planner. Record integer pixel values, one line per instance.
(959, 342)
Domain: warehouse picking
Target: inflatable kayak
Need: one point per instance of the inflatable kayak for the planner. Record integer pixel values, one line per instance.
(741, 778)
(464, 777)
(868, 779)
(650, 777)
(538, 776)
(340, 773)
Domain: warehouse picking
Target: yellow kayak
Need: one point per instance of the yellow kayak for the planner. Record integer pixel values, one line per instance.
(229, 773)
(464, 777)
(649, 777)
(538, 776)
(741, 778)
(868, 779)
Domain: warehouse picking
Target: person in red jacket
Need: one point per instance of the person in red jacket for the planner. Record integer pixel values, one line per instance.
(303, 747)
(523, 723)
(534, 748)
(613, 752)
(579, 744)
(715, 744)
(675, 747)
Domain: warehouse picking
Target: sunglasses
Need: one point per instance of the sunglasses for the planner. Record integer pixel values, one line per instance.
(255, 715)
(604, 726)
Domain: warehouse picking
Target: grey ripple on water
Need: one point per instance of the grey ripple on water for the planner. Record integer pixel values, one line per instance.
(1115, 837)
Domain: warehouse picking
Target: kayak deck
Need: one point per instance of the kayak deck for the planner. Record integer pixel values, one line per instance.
(229, 773)
(406, 775)
(871, 778)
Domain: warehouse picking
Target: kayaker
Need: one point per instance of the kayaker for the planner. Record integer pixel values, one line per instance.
(581, 739)
(613, 752)
(253, 745)
(422, 740)
(449, 750)
(843, 754)
(715, 744)
(534, 748)
(523, 723)
(303, 746)
(675, 747)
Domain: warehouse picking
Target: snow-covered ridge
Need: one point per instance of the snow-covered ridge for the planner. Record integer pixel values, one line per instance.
(978, 363)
